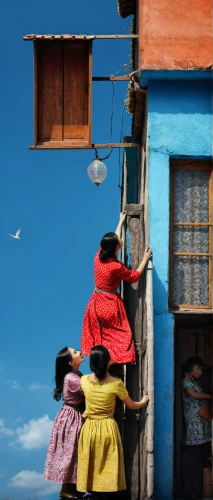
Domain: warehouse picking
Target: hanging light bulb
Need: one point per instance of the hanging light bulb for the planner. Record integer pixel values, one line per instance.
(97, 171)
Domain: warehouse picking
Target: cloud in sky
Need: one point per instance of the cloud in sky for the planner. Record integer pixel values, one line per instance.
(28, 479)
(35, 434)
(17, 420)
(14, 385)
(5, 431)
(34, 386)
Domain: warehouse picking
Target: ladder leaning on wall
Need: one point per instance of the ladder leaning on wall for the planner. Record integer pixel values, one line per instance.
(138, 427)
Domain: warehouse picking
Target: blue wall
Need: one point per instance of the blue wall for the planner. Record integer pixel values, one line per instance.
(178, 74)
(179, 126)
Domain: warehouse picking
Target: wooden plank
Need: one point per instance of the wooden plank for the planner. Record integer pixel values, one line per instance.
(193, 254)
(76, 92)
(188, 344)
(111, 78)
(29, 38)
(50, 72)
(178, 415)
(210, 233)
(35, 95)
(190, 306)
(171, 237)
(191, 164)
(134, 210)
(135, 448)
(208, 482)
(180, 310)
(90, 93)
(204, 343)
(201, 345)
(131, 297)
(141, 327)
(193, 224)
(70, 145)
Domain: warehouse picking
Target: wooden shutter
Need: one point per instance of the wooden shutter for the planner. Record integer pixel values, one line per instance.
(50, 91)
(76, 92)
(63, 87)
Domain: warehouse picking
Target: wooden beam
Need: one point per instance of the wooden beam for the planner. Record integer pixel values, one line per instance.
(134, 299)
(189, 310)
(35, 94)
(111, 78)
(192, 254)
(65, 145)
(192, 224)
(134, 210)
(114, 37)
(33, 37)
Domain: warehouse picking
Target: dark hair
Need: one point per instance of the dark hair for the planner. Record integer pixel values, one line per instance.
(108, 246)
(99, 360)
(194, 360)
(62, 367)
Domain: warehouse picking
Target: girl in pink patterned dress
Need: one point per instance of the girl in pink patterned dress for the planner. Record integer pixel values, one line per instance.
(61, 461)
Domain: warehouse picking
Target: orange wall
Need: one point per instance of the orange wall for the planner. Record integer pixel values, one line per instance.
(175, 34)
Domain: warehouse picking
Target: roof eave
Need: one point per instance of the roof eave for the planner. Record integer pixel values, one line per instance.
(126, 8)
(135, 104)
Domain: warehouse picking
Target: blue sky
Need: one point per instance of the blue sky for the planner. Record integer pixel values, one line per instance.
(47, 276)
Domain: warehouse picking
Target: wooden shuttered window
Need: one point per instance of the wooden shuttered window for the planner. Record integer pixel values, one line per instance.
(63, 84)
(191, 234)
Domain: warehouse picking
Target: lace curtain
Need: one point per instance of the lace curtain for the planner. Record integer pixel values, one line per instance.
(191, 204)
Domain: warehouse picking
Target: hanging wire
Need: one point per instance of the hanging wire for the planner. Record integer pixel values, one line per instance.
(121, 136)
(111, 131)
(111, 124)
(112, 114)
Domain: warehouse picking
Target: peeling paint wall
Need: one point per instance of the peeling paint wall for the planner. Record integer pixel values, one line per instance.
(175, 35)
(179, 126)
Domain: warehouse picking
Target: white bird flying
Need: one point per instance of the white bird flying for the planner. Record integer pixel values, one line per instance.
(16, 237)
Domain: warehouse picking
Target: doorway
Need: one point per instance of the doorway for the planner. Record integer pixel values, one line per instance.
(193, 337)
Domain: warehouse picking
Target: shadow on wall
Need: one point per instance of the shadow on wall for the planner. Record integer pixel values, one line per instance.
(181, 97)
(160, 295)
(164, 391)
(163, 323)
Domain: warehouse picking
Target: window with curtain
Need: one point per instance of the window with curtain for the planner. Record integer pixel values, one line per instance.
(191, 234)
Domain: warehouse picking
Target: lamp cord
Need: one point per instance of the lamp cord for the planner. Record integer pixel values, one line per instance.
(111, 124)
(121, 138)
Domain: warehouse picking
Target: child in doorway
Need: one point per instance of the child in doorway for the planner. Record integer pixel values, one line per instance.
(100, 453)
(61, 461)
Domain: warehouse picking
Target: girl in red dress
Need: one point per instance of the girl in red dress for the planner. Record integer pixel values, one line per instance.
(105, 320)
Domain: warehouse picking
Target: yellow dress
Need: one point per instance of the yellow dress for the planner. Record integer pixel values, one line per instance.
(100, 452)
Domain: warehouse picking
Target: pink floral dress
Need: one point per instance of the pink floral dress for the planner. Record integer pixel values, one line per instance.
(61, 460)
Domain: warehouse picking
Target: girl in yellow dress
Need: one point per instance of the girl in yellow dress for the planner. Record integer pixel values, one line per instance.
(100, 452)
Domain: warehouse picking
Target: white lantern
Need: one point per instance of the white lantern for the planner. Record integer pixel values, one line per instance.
(97, 171)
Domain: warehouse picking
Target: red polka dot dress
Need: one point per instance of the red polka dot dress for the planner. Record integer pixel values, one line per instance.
(105, 320)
